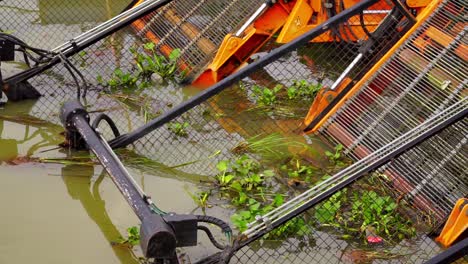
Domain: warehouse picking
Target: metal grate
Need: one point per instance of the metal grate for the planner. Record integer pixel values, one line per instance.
(425, 76)
(197, 28)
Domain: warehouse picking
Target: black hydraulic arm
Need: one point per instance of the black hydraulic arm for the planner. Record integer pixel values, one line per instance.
(157, 237)
(160, 232)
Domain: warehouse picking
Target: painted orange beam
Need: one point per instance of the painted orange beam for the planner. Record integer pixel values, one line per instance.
(236, 50)
(421, 18)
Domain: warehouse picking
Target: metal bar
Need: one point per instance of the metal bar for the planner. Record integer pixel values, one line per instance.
(157, 237)
(415, 137)
(455, 252)
(251, 19)
(411, 86)
(75, 48)
(126, 139)
(341, 95)
(379, 161)
(346, 71)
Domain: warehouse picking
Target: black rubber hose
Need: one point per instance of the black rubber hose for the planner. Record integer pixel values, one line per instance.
(342, 7)
(211, 237)
(109, 121)
(78, 87)
(363, 26)
(215, 221)
(23, 44)
(85, 84)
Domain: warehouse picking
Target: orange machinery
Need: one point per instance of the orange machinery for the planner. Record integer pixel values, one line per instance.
(285, 19)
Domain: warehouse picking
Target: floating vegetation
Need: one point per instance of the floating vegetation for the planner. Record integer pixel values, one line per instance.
(272, 146)
(85, 161)
(149, 62)
(133, 237)
(298, 91)
(249, 188)
(150, 66)
(299, 173)
(24, 119)
(287, 102)
(178, 128)
(302, 90)
(266, 96)
(22, 160)
(361, 212)
(336, 156)
(369, 255)
(200, 198)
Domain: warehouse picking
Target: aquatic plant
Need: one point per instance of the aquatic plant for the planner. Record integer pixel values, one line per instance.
(200, 198)
(359, 213)
(241, 179)
(299, 90)
(336, 156)
(151, 62)
(245, 183)
(178, 128)
(120, 79)
(270, 146)
(264, 95)
(299, 171)
(148, 64)
(82, 55)
(133, 237)
(302, 89)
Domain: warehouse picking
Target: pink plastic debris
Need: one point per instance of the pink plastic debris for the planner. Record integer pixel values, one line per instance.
(374, 239)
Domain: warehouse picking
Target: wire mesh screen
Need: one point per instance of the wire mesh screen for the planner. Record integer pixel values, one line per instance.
(197, 28)
(247, 142)
(273, 99)
(49, 23)
(335, 230)
(424, 77)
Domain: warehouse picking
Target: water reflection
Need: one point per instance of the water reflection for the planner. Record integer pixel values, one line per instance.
(87, 192)
(23, 134)
(79, 11)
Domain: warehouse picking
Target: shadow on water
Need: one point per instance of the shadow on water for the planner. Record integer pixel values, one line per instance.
(85, 189)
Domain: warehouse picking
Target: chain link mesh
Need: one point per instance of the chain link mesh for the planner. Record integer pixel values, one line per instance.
(271, 101)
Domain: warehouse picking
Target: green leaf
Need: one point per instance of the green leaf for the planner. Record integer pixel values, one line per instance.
(236, 186)
(254, 207)
(228, 179)
(324, 215)
(174, 55)
(222, 166)
(149, 46)
(278, 200)
(255, 178)
(245, 214)
(242, 198)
